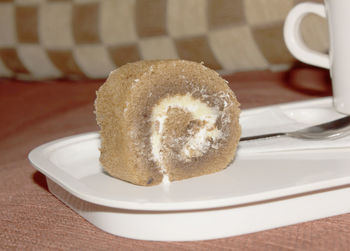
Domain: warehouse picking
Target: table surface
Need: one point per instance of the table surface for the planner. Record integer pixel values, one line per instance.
(33, 113)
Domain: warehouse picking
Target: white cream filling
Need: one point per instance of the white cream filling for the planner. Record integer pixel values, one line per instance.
(199, 143)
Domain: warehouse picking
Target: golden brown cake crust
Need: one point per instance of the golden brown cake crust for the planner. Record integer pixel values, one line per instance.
(124, 106)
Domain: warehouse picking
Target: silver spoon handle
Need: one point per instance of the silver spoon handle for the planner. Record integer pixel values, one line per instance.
(263, 136)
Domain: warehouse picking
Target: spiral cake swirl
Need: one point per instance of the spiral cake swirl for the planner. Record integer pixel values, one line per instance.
(166, 120)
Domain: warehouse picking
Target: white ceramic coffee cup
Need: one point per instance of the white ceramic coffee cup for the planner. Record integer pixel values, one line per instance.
(338, 60)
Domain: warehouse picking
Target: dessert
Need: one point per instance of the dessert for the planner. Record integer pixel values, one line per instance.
(166, 120)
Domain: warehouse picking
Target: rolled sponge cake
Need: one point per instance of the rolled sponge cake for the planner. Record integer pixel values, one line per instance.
(166, 120)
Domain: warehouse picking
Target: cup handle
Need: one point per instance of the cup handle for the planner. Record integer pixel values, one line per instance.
(294, 40)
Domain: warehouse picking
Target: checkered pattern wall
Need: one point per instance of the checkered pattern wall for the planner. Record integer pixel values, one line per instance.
(88, 38)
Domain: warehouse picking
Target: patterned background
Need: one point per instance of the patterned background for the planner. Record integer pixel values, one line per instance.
(42, 39)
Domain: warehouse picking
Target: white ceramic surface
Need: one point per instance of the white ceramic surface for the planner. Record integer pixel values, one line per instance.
(338, 60)
(256, 192)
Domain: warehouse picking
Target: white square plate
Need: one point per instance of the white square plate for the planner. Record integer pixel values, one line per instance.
(259, 190)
